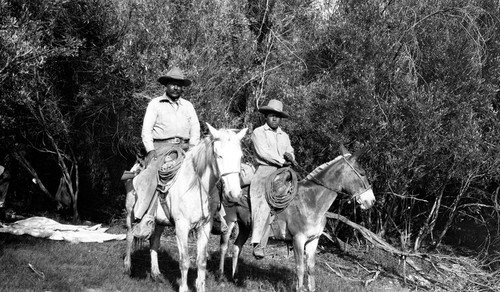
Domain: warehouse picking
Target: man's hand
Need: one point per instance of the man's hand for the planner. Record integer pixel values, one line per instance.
(151, 155)
(289, 158)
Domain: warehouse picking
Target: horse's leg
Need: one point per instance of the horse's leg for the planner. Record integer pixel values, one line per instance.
(298, 251)
(182, 236)
(127, 261)
(202, 254)
(224, 244)
(154, 246)
(243, 234)
(311, 262)
(129, 206)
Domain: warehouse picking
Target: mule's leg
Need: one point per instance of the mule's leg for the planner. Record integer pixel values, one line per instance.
(298, 251)
(202, 254)
(182, 236)
(224, 244)
(154, 246)
(311, 262)
(243, 234)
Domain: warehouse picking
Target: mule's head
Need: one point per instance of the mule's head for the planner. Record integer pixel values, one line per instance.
(227, 151)
(355, 181)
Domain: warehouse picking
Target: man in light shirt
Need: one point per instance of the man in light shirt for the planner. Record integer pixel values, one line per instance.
(273, 150)
(169, 118)
(170, 121)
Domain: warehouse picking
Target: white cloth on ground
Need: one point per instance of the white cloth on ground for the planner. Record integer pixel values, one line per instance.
(51, 229)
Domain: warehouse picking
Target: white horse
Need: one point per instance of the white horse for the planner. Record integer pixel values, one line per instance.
(216, 158)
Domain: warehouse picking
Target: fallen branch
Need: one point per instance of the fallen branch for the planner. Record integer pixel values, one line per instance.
(39, 273)
(420, 278)
(372, 279)
(337, 265)
(372, 237)
(340, 274)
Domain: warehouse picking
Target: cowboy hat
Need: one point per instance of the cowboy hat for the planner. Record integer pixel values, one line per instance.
(174, 74)
(274, 106)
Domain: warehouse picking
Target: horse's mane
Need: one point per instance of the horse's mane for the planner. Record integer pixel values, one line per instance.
(320, 168)
(203, 155)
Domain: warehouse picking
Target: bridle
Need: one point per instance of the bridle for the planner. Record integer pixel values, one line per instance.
(365, 186)
(223, 174)
(228, 173)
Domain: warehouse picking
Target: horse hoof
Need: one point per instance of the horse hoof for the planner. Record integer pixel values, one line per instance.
(238, 282)
(158, 278)
(127, 271)
(220, 278)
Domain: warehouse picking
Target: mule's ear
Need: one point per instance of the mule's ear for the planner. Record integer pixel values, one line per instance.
(343, 150)
(213, 131)
(242, 133)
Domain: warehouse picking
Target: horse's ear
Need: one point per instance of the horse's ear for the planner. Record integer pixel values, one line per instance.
(343, 150)
(242, 133)
(213, 131)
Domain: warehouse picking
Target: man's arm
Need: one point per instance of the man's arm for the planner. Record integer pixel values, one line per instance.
(289, 148)
(194, 125)
(147, 127)
(147, 132)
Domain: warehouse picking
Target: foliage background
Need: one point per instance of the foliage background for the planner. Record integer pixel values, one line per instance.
(413, 82)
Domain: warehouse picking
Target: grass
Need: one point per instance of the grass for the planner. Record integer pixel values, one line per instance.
(35, 264)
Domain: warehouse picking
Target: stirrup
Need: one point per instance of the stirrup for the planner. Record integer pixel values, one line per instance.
(162, 188)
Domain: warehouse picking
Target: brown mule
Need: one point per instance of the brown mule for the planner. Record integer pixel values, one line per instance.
(304, 219)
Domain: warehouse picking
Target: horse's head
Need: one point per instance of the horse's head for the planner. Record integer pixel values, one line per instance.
(355, 180)
(227, 151)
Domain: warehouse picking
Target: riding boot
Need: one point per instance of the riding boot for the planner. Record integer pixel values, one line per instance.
(259, 249)
(144, 228)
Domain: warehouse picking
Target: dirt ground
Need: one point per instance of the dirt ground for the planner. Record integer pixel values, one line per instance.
(361, 267)
(372, 269)
(369, 269)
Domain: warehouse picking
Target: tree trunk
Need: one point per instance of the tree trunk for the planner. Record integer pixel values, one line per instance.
(22, 160)
(454, 208)
(430, 222)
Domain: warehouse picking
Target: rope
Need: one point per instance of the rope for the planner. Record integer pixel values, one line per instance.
(169, 169)
(276, 197)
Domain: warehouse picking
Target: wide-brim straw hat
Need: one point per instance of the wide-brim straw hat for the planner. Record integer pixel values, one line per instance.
(274, 106)
(174, 74)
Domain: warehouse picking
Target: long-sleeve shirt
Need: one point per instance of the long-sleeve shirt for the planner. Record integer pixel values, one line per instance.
(165, 119)
(270, 146)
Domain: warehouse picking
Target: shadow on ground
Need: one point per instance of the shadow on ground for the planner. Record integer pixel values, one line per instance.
(276, 276)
